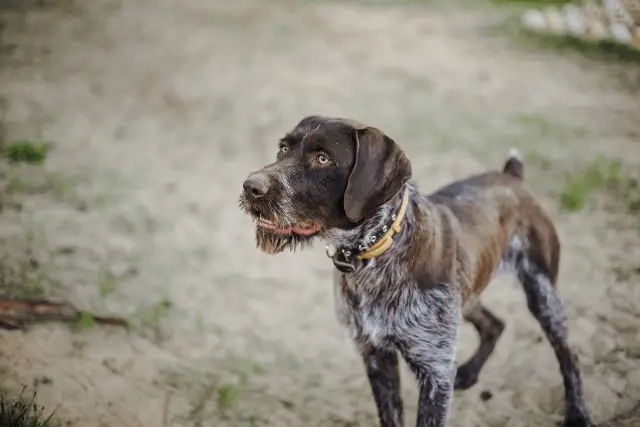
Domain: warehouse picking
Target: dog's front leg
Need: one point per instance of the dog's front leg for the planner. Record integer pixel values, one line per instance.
(384, 377)
(436, 395)
(429, 348)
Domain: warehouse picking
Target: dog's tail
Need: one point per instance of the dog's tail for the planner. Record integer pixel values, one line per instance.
(514, 165)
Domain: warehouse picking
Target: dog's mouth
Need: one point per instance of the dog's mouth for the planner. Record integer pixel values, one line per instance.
(273, 238)
(274, 235)
(302, 229)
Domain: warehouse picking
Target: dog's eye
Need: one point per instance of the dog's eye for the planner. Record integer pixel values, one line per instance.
(322, 159)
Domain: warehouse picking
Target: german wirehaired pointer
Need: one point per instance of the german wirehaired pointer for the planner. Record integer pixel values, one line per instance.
(409, 266)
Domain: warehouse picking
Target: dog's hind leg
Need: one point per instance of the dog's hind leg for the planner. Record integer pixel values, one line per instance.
(489, 328)
(538, 279)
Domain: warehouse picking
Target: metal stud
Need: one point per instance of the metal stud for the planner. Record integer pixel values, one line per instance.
(384, 228)
(373, 239)
(393, 217)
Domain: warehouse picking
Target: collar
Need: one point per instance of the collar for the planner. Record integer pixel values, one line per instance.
(380, 241)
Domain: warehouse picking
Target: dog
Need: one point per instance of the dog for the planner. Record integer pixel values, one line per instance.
(409, 266)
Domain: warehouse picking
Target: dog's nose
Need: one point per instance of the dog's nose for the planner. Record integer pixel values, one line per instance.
(256, 186)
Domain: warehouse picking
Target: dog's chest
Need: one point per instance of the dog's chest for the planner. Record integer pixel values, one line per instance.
(376, 322)
(370, 317)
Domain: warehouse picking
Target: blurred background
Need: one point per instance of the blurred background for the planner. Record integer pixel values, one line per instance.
(127, 128)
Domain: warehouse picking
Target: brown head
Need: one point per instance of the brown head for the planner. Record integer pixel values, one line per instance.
(329, 173)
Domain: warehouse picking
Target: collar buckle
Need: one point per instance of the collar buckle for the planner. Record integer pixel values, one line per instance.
(376, 245)
(340, 259)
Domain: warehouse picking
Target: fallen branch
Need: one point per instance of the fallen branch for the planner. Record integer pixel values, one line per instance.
(18, 313)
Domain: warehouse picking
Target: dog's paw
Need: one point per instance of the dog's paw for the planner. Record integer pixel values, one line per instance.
(465, 378)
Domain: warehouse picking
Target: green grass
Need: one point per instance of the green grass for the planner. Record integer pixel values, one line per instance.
(537, 125)
(24, 151)
(522, 37)
(228, 394)
(600, 176)
(30, 182)
(150, 318)
(22, 273)
(84, 321)
(219, 394)
(19, 413)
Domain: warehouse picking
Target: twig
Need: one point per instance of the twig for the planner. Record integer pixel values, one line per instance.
(18, 313)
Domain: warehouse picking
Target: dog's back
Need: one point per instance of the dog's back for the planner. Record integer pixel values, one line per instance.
(500, 220)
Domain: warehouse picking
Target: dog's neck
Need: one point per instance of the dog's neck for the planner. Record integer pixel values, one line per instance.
(356, 242)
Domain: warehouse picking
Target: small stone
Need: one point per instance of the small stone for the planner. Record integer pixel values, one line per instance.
(485, 395)
(66, 250)
(42, 380)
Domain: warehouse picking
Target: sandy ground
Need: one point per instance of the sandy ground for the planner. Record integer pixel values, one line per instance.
(158, 109)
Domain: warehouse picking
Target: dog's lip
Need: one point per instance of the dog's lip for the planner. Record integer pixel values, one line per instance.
(294, 229)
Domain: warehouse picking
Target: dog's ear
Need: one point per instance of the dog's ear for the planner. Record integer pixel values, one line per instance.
(380, 170)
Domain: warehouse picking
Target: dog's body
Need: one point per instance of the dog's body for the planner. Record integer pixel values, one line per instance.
(410, 298)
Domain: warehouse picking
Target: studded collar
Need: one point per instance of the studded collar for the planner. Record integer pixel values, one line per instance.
(375, 246)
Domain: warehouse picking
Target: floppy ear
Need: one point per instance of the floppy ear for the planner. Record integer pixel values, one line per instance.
(380, 170)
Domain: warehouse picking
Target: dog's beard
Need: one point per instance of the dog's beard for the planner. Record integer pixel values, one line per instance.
(270, 242)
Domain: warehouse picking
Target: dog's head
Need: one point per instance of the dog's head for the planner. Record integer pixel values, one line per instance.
(329, 173)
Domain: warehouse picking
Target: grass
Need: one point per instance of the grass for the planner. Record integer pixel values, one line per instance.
(151, 317)
(226, 396)
(84, 321)
(602, 50)
(600, 175)
(218, 395)
(32, 182)
(537, 125)
(25, 151)
(18, 413)
(29, 180)
(22, 273)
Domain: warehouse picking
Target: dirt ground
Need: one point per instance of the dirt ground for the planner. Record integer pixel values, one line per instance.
(158, 109)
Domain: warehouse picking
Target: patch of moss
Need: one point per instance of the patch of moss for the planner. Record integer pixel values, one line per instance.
(84, 321)
(24, 151)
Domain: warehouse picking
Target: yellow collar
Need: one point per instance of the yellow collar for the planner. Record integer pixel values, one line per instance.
(385, 241)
